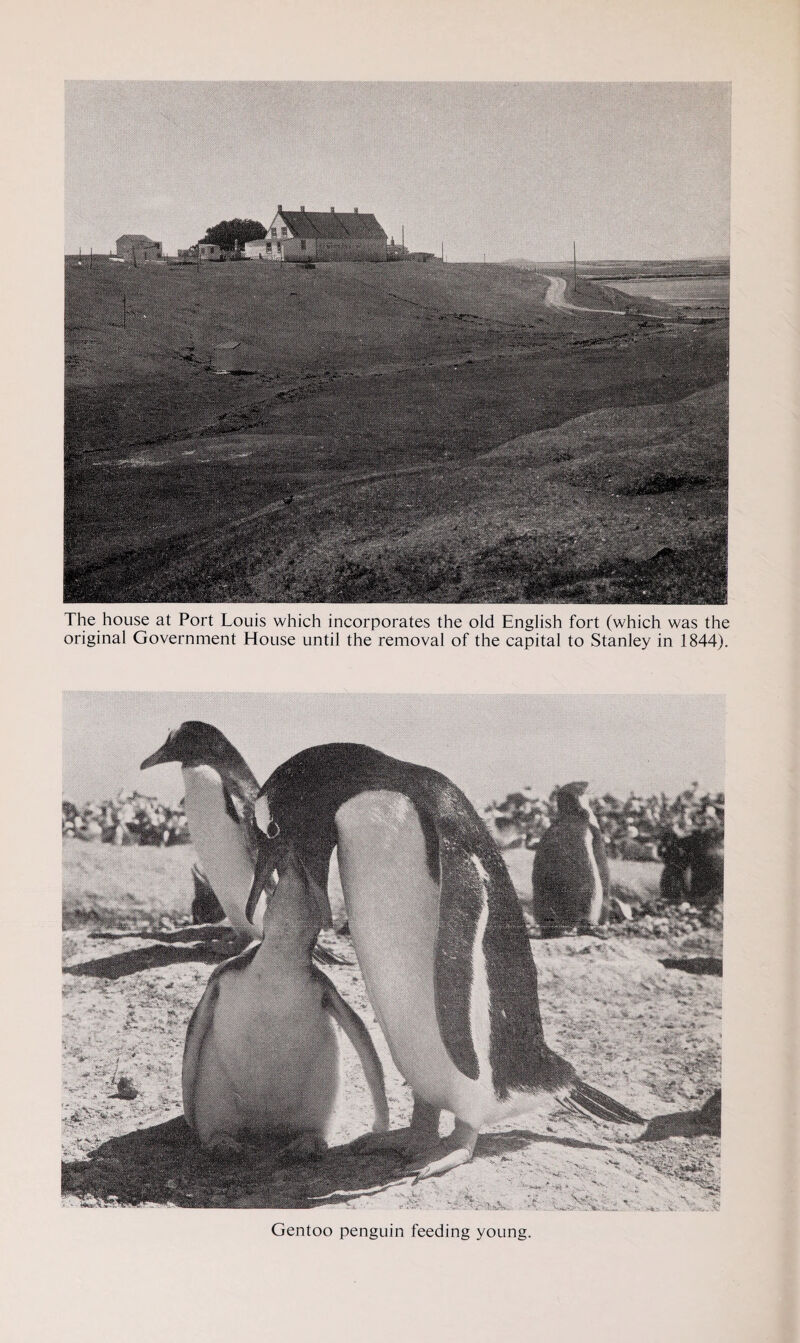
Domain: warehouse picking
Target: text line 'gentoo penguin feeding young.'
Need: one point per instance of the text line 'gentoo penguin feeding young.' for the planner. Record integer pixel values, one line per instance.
(570, 868)
(440, 938)
(262, 1051)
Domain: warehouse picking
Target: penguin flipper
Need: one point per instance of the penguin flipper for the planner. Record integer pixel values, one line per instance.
(196, 1032)
(200, 1024)
(361, 1040)
(462, 905)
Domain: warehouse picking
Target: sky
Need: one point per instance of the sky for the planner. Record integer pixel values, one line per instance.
(489, 745)
(637, 171)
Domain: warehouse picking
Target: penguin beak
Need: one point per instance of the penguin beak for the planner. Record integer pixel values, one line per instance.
(268, 859)
(164, 755)
(265, 866)
(322, 901)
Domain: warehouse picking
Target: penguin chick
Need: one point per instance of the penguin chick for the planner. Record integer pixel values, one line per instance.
(262, 1050)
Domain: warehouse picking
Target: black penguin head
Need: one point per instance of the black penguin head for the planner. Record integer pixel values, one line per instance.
(275, 852)
(572, 800)
(193, 743)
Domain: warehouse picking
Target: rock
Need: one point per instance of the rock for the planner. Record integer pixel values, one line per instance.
(126, 1090)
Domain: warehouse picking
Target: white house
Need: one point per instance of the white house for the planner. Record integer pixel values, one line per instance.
(328, 235)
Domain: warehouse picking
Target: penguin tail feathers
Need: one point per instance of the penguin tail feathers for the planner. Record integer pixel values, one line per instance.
(593, 1104)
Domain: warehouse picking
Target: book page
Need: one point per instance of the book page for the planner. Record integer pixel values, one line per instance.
(398, 602)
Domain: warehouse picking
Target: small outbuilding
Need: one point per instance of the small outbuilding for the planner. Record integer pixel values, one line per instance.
(209, 251)
(257, 249)
(138, 247)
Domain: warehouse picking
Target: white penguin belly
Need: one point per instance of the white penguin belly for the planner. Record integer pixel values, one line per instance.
(221, 846)
(596, 902)
(393, 908)
(269, 1056)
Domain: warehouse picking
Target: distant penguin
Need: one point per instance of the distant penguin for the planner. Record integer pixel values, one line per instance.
(205, 905)
(694, 868)
(440, 939)
(570, 868)
(262, 1050)
(673, 886)
(706, 868)
(220, 792)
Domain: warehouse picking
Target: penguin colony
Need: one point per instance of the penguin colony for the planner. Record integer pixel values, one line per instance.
(437, 929)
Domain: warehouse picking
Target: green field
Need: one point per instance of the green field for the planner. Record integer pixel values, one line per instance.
(395, 432)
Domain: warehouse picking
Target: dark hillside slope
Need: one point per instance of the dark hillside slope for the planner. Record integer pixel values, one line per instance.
(360, 385)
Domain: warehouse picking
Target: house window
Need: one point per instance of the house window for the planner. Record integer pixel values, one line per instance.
(284, 233)
(273, 233)
(302, 244)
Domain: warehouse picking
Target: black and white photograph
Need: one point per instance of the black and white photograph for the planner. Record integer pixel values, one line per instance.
(394, 951)
(396, 341)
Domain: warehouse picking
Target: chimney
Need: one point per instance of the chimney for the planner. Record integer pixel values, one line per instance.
(355, 209)
(302, 209)
(280, 209)
(333, 209)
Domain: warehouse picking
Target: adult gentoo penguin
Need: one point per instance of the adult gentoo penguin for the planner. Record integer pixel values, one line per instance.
(262, 1051)
(220, 792)
(439, 935)
(570, 868)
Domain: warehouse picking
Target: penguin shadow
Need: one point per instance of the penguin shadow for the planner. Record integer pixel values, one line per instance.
(164, 1164)
(206, 944)
(346, 1173)
(694, 965)
(705, 1122)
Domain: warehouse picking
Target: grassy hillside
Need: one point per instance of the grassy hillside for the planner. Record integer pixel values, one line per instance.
(407, 374)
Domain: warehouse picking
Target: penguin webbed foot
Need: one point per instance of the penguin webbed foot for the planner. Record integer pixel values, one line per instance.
(307, 1146)
(455, 1150)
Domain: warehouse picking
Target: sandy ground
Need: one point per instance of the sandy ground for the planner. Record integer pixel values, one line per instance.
(638, 1013)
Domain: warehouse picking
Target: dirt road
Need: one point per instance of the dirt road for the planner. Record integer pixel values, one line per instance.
(555, 298)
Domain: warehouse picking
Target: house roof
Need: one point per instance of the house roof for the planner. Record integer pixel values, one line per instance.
(330, 224)
(135, 237)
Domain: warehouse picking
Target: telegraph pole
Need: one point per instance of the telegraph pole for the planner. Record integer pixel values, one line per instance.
(124, 308)
(574, 267)
(443, 251)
